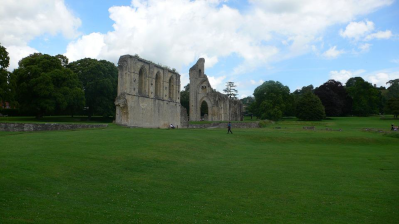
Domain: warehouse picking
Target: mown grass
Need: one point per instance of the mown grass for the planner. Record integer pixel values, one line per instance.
(269, 175)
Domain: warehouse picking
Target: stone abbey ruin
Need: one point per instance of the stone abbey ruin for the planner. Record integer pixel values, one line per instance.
(149, 96)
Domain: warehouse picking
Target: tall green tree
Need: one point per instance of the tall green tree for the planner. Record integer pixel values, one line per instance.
(6, 82)
(100, 81)
(310, 108)
(334, 97)
(364, 96)
(272, 101)
(185, 98)
(231, 90)
(393, 97)
(45, 86)
(247, 102)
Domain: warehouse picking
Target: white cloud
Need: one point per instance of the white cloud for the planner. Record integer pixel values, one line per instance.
(177, 32)
(209, 61)
(364, 47)
(357, 30)
(379, 35)
(87, 46)
(333, 52)
(380, 78)
(341, 76)
(395, 61)
(260, 82)
(18, 52)
(23, 20)
(216, 83)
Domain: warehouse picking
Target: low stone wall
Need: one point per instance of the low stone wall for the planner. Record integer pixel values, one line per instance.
(46, 126)
(224, 125)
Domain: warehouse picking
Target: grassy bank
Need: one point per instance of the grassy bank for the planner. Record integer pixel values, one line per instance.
(269, 175)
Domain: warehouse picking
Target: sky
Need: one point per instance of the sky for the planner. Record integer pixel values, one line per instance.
(295, 42)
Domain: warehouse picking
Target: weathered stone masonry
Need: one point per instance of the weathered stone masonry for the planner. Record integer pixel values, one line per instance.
(148, 94)
(220, 106)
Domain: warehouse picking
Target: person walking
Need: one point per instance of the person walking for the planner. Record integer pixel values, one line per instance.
(229, 128)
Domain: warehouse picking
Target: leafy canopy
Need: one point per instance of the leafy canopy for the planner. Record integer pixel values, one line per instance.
(45, 86)
(100, 81)
(5, 85)
(364, 96)
(310, 108)
(272, 101)
(334, 98)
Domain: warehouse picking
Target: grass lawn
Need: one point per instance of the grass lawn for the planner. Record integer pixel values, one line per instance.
(268, 175)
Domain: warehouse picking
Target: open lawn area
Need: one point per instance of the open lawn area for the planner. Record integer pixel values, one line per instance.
(265, 175)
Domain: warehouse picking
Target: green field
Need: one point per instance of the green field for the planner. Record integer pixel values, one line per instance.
(268, 175)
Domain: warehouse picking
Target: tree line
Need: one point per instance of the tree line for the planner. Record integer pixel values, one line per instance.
(49, 85)
(272, 100)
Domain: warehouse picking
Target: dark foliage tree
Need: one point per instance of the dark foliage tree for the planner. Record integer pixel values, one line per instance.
(393, 106)
(272, 101)
(4, 76)
(334, 98)
(303, 90)
(63, 59)
(310, 108)
(185, 98)
(246, 102)
(365, 98)
(45, 86)
(393, 97)
(393, 89)
(297, 94)
(231, 90)
(99, 80)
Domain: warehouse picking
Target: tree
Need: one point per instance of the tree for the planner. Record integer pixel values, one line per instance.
(310, 108)
(393, 97)
(272, 101)
(45, 86)
(230, 90)
(185, 97)
(100, 81)
(334, 98)
(63, 59)
(246, 102)
(393, 89)
(4, 75)
(364, 96)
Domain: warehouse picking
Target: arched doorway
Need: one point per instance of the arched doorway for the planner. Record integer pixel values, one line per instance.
(204, 110)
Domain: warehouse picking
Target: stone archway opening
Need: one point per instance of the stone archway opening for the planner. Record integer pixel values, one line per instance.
(204, 109)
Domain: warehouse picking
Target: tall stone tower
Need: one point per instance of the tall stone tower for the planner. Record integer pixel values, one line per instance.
(220, 107)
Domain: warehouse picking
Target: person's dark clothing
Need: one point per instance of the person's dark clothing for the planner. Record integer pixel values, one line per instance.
(229, 128)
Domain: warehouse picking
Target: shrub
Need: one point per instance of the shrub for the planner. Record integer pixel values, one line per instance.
(310, 108)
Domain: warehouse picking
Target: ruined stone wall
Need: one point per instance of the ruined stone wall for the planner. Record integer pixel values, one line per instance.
(184, 122)
(148, 94)
(220, 106)
(19, 127)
